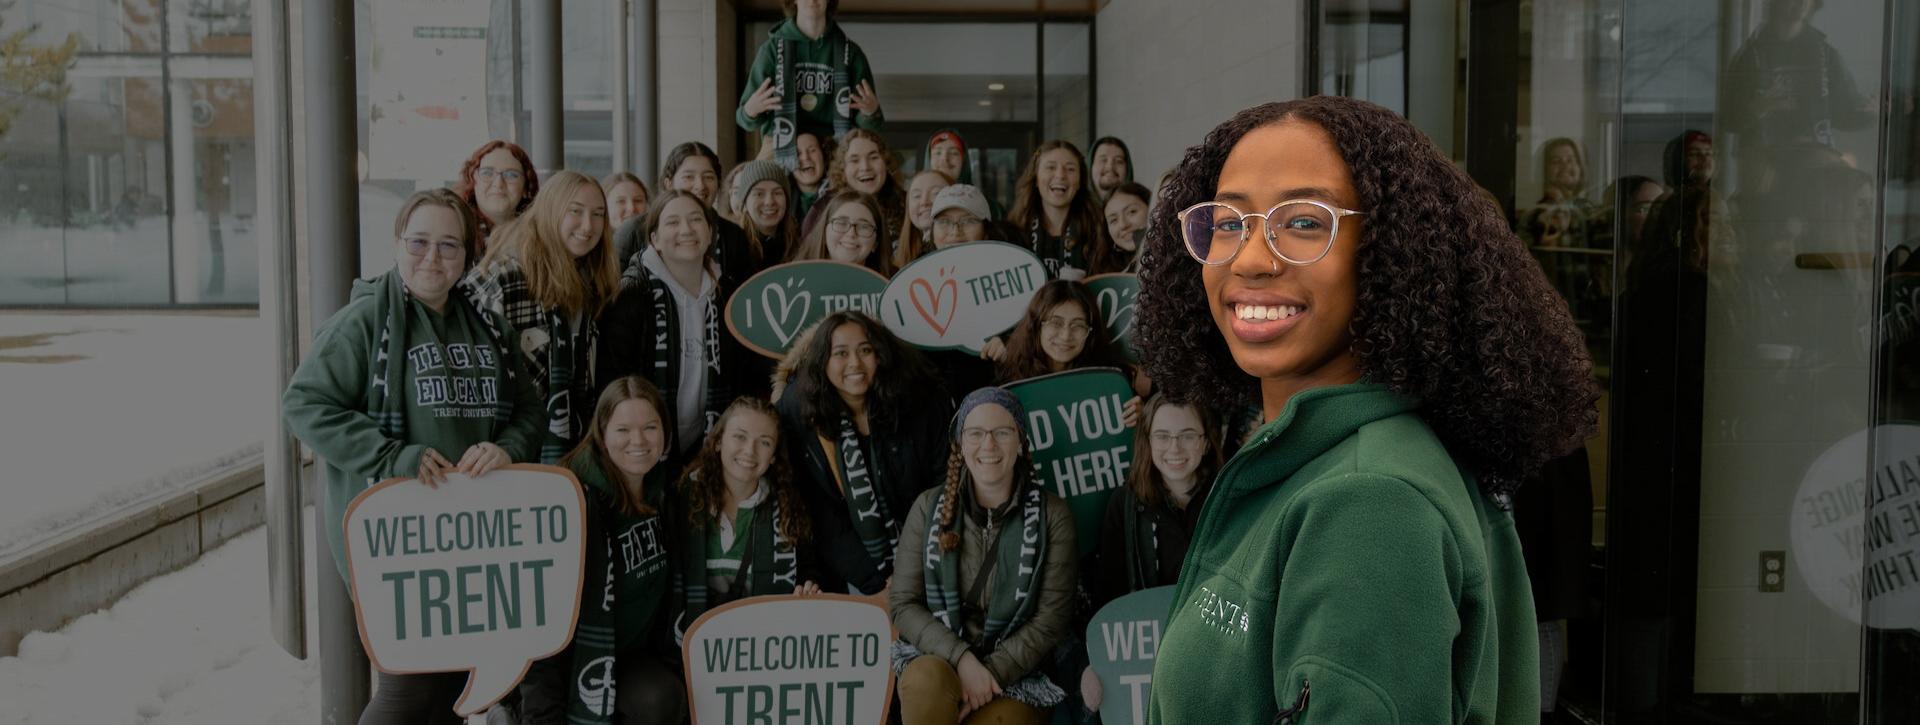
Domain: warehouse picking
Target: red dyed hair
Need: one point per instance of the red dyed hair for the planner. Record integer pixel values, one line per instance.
(464, 187)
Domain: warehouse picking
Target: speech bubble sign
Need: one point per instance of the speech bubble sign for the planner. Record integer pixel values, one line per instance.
(1116, 295)
(1083, 450)
(823, 658)
(956, 298)
(772, 308)
(1123, 639)
(1856, 538)
(481, 574)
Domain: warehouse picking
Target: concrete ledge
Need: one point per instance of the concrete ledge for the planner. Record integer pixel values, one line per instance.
(82, 570)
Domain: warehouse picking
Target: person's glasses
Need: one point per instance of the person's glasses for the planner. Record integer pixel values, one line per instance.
(1075, 329)
(1004, 435)
(487, 173)
(1300, 231)
(954, 225)
(1186, 439)
(447, 250)
(863, 230)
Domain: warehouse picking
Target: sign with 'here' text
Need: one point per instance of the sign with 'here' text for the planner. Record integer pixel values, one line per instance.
(478, 574)
(791, 660)
(1080, 442)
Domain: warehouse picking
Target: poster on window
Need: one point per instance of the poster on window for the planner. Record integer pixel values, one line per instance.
(426, 87)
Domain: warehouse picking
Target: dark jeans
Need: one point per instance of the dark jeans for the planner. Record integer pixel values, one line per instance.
(647, 689)
(410, 699)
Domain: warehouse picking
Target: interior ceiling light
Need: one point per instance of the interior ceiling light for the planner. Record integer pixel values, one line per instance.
(985, 102)
(996, 86)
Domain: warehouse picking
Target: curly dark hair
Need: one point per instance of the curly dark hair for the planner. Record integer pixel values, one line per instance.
(1452, 310)
(705, 485)
(1024, 358)
(901, 378)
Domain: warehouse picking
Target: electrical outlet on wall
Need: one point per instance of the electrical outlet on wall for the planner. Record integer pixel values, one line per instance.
(1773, 571)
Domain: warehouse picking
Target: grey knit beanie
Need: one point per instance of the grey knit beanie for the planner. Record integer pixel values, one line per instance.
(754, 172)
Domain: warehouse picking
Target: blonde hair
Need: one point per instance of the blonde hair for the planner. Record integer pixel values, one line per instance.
(554, 278)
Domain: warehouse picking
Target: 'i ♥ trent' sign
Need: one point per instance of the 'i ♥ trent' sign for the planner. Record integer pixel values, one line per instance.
(956, 298)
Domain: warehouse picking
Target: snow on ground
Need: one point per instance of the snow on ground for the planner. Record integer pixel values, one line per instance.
(190, 648)
(101, 411)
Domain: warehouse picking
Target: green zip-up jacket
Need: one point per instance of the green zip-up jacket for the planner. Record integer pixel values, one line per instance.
(326, 404)
(1343, 568)
(813, 72)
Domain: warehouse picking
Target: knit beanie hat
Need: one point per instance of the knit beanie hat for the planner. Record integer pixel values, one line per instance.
(994, 396)
(754, 172)
(962, 196)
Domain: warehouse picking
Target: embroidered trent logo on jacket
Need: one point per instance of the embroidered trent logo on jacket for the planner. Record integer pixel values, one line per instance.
(1220, 613)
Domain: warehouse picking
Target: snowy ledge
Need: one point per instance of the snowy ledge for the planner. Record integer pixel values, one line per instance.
(87, 564)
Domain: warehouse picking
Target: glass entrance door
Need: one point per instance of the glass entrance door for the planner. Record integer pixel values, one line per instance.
(1723, 192)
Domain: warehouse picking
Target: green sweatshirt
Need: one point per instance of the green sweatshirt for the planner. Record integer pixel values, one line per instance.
(813, 73)
(635, 554)
(1342, 550)
(450, 385)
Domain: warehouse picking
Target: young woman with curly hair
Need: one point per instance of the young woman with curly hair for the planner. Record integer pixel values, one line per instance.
(619, 465)
(1354, 562)
(865, 420)
(983, 583)
(498, 181)
(741, 527)
(1057, 208)
(550, 273)
(863, 162)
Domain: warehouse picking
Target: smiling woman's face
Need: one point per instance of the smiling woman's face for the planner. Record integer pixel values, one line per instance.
(1287, 325)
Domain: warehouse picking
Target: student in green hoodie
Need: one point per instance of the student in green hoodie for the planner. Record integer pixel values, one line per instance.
(1355, 561)
(410, 379)
(807, 76)
(621, 631)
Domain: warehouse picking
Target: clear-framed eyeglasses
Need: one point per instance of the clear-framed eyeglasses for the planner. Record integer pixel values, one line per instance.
(1300, 231)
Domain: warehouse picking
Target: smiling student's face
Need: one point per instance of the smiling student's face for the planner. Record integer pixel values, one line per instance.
(1310, 344)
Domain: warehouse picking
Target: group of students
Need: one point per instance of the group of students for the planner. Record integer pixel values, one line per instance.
(1405, 360)
(575, 322)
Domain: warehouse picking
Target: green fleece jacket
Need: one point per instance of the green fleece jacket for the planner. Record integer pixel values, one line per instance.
(813, 72)
(1343, 563)
(327, 402)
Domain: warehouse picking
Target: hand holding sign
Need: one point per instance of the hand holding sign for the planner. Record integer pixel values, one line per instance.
(1122, 641)
(815, 659)
(481, 574)
(957, 297)
(1081, 440)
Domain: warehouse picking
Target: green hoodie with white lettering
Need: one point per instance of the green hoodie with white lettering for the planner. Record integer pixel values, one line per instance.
(449, 372)
(1345, 571)
(818, 99)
